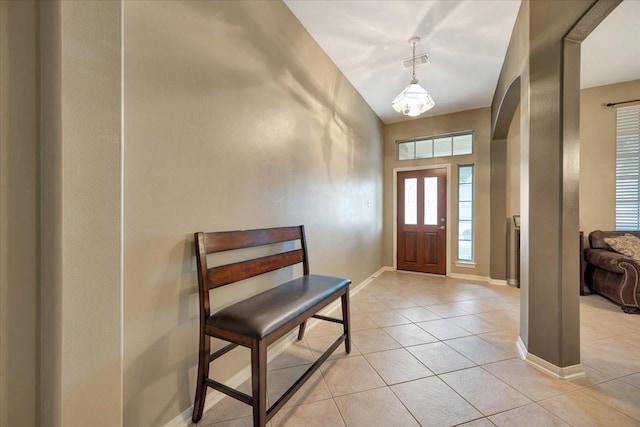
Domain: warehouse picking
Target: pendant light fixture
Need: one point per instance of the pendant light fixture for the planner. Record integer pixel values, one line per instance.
(414, 100)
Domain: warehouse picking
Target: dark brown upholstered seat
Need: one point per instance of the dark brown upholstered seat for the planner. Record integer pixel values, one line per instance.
(273, 308)
(260, 320)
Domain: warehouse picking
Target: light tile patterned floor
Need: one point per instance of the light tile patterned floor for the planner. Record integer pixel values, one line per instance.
(435, 351)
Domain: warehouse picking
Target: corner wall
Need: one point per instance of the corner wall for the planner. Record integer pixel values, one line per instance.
(19, 213)
(80, 310)
(513, 192)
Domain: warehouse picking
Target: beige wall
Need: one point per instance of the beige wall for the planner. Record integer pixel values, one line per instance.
(477, 120)
(597, 156)
(513, 191)
(50, 215)
(19, 205)
(234, 119)
(513, 166)
(598, 153)
(81, 223)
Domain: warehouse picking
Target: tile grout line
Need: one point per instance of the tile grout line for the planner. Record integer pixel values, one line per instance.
(405, 289)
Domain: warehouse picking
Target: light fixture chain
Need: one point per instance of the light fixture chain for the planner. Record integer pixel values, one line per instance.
(414, 60)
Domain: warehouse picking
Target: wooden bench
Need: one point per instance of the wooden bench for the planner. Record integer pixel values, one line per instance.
(260, 320)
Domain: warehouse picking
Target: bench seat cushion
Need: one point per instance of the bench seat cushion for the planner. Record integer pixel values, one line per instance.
(260, 315)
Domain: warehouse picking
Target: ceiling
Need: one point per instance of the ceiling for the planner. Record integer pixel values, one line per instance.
(611, 53)
(466, 41)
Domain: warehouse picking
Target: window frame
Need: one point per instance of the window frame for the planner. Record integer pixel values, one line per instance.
(459, 259)
(432, 138)
(627, 184)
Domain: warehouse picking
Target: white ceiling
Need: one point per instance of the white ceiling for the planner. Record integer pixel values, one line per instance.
(611, 53)
(466, 41)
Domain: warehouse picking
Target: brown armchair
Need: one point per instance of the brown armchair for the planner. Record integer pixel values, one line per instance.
(611, 274)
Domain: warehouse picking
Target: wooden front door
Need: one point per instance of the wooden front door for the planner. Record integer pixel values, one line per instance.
(422, 213)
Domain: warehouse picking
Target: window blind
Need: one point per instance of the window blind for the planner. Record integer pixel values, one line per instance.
(628, 168)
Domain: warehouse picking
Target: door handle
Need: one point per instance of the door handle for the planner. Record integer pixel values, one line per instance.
(441, 227)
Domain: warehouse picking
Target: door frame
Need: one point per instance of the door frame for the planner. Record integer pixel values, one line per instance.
(446, 166)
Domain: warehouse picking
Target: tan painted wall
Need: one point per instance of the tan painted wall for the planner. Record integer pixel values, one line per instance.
(597, 156)
(515, 60)
(598, 153)
(477, 120)
(81, 220)
(19, 205)
(513, 166)
(51, 214)
(234, 119)
(513, 191)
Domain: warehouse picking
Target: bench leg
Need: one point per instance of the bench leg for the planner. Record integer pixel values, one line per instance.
(259, 382)
(346, 319)
(303, 326)
(203, 372)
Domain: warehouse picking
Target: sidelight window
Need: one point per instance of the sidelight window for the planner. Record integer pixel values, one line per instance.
(465, 213)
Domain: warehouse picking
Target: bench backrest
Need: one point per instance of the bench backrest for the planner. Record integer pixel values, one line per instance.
(213, 277)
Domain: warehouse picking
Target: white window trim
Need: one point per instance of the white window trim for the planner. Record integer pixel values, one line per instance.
(434, 137)
(463, 262)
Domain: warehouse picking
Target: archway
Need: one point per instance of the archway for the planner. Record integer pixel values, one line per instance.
(542, 73)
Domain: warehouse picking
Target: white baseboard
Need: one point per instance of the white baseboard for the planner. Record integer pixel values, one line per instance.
(563, 373)
(369, 279)
(213, 397)
(522, 349)
(498, 282)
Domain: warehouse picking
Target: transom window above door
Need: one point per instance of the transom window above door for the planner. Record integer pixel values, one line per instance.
(426, 147)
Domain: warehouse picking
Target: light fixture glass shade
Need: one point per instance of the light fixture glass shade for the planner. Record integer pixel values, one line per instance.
(413, 101)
